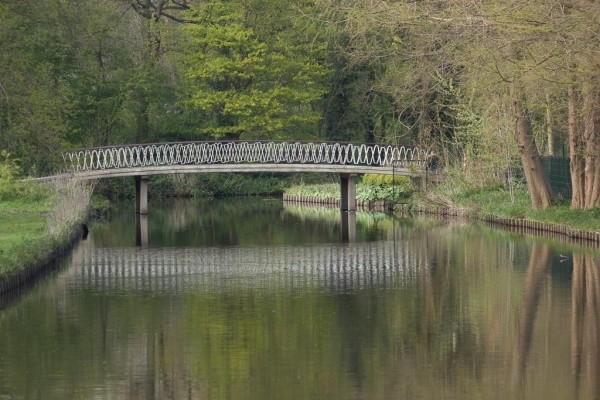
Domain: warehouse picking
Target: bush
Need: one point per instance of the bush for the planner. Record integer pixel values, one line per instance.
(10, 186)
(379, 179)
(378, 187)
(373, 187)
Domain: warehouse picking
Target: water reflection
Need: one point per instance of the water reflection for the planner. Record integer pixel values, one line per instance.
(539, 263)
(141, 230)
(214, 308)
(585, 326)
(348, 226)
(179, 219)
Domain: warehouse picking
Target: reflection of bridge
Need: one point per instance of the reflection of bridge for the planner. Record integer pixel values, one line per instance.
(142, 160)
(171, 270)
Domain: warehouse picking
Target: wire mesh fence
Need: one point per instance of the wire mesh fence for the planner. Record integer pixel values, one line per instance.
(559, 175)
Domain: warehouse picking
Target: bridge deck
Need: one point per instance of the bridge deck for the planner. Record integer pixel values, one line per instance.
(227, 168)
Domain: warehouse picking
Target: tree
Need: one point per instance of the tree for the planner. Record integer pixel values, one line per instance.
(37, 70)
(157, 9)
(248, 74)
(397, 62)
(576, 28)
(428, 57)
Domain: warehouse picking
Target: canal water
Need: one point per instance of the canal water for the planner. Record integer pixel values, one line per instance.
(251, 299)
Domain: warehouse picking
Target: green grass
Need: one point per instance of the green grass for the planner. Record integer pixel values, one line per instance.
(26, 210)
(563, 214)
(496, 200)
(17, 228)
(23, 236)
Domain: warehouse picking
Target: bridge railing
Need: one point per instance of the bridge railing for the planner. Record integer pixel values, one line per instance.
(263, 152)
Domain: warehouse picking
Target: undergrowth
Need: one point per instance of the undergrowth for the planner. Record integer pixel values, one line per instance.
(372, 187)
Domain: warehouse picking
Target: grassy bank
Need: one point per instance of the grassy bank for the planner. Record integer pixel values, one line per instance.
(466, 198)
(498, 200)
(35, 219)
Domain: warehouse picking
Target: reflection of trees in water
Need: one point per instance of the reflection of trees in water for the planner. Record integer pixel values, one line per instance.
(459, 301)
(539, 263)
(585, 326)
(477, 314)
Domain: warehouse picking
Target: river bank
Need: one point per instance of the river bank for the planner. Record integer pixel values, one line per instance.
(492, 204)
(38, 225)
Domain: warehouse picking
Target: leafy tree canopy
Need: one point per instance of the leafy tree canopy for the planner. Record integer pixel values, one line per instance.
(249, 75)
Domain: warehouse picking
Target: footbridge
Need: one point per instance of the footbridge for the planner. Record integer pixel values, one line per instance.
(143, 160)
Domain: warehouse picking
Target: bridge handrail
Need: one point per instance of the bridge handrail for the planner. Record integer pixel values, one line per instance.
(224, 152)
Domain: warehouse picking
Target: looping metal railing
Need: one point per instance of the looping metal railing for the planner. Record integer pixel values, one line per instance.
(196, 153)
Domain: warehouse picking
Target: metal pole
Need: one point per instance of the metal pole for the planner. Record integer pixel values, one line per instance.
(393, 184)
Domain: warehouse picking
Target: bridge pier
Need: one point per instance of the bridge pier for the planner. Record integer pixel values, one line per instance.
(141, 195)
(348, 192)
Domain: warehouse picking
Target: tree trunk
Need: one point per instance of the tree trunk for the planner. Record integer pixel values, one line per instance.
(537, 181)
(576, 151)
(591, 137)
(549, 126)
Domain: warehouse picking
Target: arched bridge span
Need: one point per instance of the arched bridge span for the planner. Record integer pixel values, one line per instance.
(142, 160)
(243, 156)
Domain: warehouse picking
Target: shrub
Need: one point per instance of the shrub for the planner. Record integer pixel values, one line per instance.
(10, 186)
(384, 187)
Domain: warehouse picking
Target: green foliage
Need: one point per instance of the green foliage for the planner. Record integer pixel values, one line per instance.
(384, 187)
(9, 170)
(495, 200)
(401, 181)
(324, 190)
(86, 73)
(11, 188)
(81, 73)
(248, 74)
(373, 187)
(200, 185)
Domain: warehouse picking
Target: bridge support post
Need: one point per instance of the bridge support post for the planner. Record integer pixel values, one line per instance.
(348, 192)
(141, 195)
